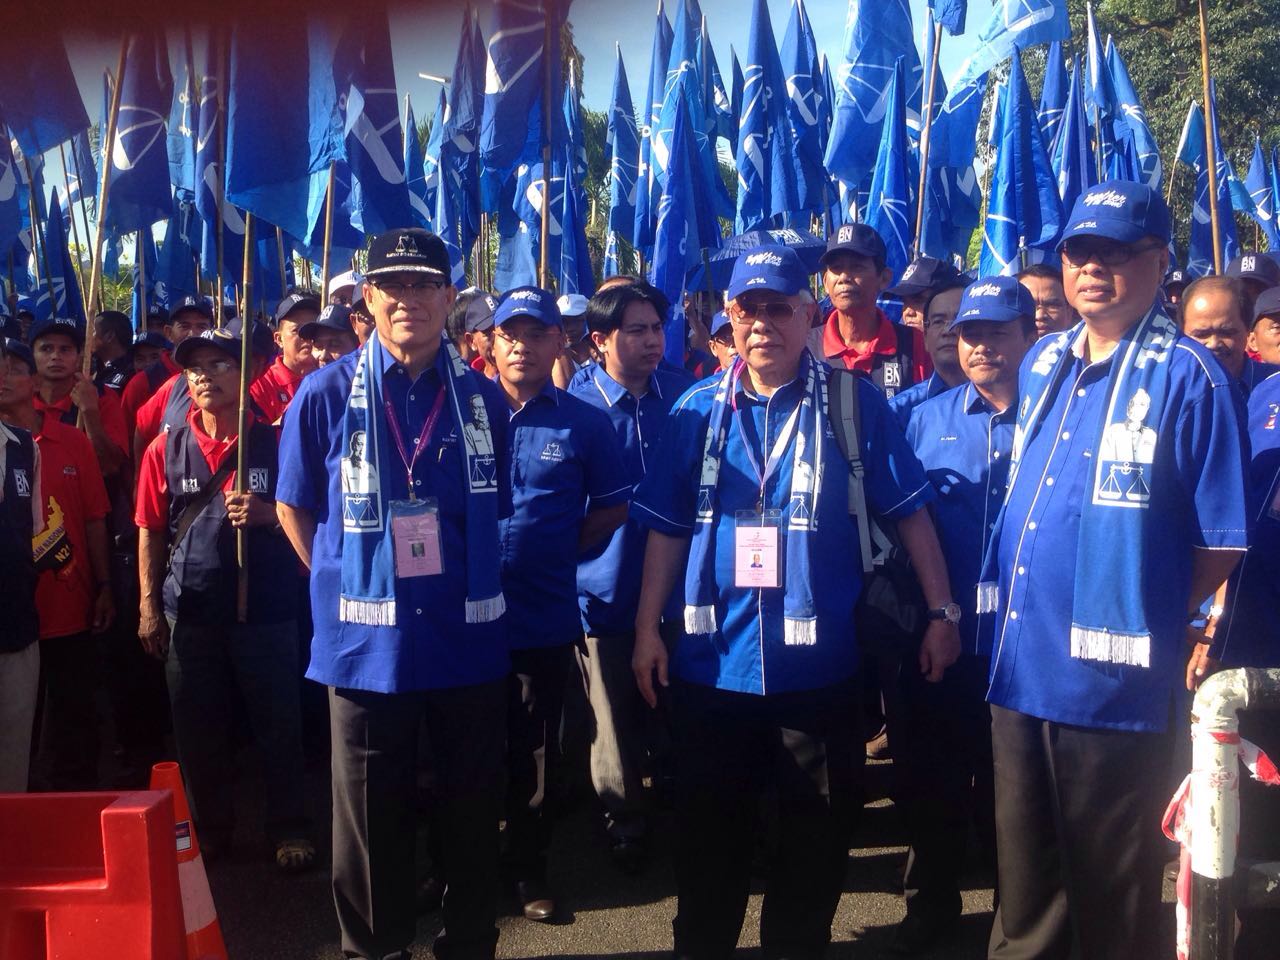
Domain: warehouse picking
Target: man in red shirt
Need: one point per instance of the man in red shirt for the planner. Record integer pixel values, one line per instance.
(857, 333)
(191, 317)
(274, 390)
(73, 592)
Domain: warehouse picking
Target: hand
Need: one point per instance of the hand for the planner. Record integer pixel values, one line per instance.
(249, 510)
(1200, 665)
(650, 654)
(939, 649)
(153, 631)
(85, 395)
(104, 609)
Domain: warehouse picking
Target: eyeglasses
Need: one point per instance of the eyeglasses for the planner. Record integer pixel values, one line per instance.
(1080, 250)
(214, 368)
(398, 291)
(775, 311)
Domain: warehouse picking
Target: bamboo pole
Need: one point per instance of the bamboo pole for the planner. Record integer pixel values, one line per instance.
(328, 234)
(84, 221)
(546, 152)
(220, 73)
(284, 280)
(75, 233)
(242, 430)
(925, 132)
(1168, 190)
(1210, 123)
(140, 251)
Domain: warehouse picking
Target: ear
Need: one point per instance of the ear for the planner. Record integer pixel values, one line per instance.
(599, 340)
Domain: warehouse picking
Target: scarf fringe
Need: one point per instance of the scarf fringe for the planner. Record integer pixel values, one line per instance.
(372, 613)
(800, 633)
(700, 621)
(988, 596)
(1130, 649)
(486, 611)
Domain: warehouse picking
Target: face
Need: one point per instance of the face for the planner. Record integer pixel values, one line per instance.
(913, 310)
(57, 357)
(361, 325)
(525, 350)
(17, 384)
(723, 348)
(991, 352)
(1111, 282)
(294, 348)
(1210, 317)
(330, 345)
(770, 342)
(1053, 313)
(939, 339)
(214, 379)
(480, 344)
(409, 309)
(189, 323)
(101, 335)
(635, 348)
(144, 355)
(853, 282)
(1264, 339)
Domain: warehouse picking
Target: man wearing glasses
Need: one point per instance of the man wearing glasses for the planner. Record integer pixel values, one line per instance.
(749, 486)
(1127, 486)
(406, 594)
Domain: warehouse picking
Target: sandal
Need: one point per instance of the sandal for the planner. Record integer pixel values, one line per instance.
(293, 856)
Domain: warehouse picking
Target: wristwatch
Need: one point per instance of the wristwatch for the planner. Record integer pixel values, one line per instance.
(949, 612)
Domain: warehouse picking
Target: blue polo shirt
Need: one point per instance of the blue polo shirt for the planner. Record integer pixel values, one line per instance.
(564, 461)
(432, 647)
(747, 654)
(1201, 503)
(964, 445)
(905, 401)
(1254, 372)
(609, 574)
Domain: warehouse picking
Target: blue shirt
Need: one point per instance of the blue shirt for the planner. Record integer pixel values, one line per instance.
(1254, 373)
(964, 445)
(903, 402)
(564, 460)
(1199, 503)
(432, 646)
(747, 654)
(609, 574)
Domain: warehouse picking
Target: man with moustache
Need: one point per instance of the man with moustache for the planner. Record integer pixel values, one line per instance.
(1215, 313)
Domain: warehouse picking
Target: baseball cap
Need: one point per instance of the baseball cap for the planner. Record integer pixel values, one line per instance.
(1255, 266)
(66, 325)
(1175, 278)
(479, 314)
(533, 302)
(348, 280)
(923, 275)
(333, 317)
(16, 348)
(295, 301)
(198, 305)
(1267, 304)
(572, 305)
(859, 238)
(774, 268)
(149, 338)
(1120, 210)
(1000, 299)
(223, 338)
(412, 250)
(718, 322)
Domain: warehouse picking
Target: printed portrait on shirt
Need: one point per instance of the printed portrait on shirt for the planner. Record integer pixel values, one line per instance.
(360, 510)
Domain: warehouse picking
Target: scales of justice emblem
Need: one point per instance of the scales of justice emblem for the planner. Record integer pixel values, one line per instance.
(1127, 450)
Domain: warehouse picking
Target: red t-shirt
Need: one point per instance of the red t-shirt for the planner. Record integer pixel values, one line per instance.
(147, 422)
(151, 511)
(274, 390)
(138, 391)
(109, 411)
(885, 343)
(74, 494)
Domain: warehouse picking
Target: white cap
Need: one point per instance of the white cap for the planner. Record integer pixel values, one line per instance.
(572, 305)
(343, 281)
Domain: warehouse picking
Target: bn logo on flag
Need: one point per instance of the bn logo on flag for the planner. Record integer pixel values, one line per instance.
(257, 479)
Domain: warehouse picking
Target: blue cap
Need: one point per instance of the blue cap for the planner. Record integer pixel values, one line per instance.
(200, 305)
(149, 338)
(296, 301)
(861, 239)
(479, 315)
(334, 317)
(774, 268)
(924, 275)
(16, 348)
(1255, 266)
(67, 325)
(1267, 304)
(718, 322)
(1119, 210)
(223, 338)
(1000, 299)
(533, 302)
(1176, 278)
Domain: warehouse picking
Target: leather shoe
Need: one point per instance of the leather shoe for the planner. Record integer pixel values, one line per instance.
(629, 855)
(918, 932)
(535, 900)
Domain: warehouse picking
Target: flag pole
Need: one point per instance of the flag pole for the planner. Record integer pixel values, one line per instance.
(219, 193)
(75, 233)
(37, 237)
(242, 445)
(925, 130)
(84, 213)
(140, 251)
(1168, 191)
(545, 239)
(1211, 122)
(284, 280)
(328, 234)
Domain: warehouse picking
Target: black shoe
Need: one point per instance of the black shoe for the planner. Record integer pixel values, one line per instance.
(629, 855)
(919, 932)
(536, 900)
(429, 895)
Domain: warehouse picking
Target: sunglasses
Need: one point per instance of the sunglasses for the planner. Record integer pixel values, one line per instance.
(214, 368)
(398, 291)
(1080, 250)
(775, 311)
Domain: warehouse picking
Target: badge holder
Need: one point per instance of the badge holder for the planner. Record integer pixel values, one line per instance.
(756, 549)
(415, 534)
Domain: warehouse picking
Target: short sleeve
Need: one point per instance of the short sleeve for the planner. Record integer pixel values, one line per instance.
(606, 478)
(93, 491)
(303, 482)
(113, 424)
(896, 485)
(665, 499)
(1211, 461)
(152, 509)
(150, 413)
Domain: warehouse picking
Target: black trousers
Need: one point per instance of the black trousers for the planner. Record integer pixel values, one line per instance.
(942, 761)
(729, 748)
(1078, 814)
(375, 741)
(535, 702)
(67, 712)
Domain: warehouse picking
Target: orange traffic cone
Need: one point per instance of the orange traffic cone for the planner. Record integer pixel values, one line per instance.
(204, 936)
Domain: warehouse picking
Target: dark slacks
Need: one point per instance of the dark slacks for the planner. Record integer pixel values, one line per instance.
(375, 744)
(535, 701)
(729, 748)
(67, 711)
(135, 679)
(942, 759)
(1078, 814)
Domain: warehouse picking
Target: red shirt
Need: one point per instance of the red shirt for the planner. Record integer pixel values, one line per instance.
(274, 390)
(152, 509)
(138, 391)
(108, 411)
(147, 422)
(884, 344)
(74, 494)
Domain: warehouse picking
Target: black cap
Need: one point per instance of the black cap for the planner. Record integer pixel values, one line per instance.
(333, 317)
(149, 338)
(14, 347)
(859, 238)
(263, 343)
(411, 250)
(1267, 304)
(1255, 266)
(296, 301)
(480, 313)
(188, 304)
(156, 312)
(1175, 278)
(223, 338)
(924, 275)
(65, 325)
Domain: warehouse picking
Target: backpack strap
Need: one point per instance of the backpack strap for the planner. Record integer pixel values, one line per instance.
(842, 401)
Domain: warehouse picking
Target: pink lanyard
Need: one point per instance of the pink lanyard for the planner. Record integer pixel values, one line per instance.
(427, 428)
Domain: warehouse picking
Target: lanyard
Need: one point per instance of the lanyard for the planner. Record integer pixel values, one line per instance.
(779, 445)
(427, 428)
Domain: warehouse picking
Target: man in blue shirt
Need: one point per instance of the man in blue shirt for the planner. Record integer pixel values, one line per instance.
(963, 439)
(938, 310)
(1216, 312)
(629, 385)
(393, 479)
(569, 493)
(750, 487)
(1125, 510)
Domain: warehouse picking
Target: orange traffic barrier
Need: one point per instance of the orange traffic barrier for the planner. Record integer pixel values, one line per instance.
(204, 936)
(88, 876)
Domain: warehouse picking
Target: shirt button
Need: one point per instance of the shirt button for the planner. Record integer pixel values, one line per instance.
(417, 483)
(1022, 571)
(995, 491)
(418, 611)
(412, 397)
(1080, 392)
(1013, 614)
(1066, 434)
(1048, 481)
(1031, 525)
(646, 446)
(996, 455)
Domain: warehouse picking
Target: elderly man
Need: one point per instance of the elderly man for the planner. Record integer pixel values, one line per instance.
(1257, 271)
(923, 277)
(1053, 313)
(1264, 334)
(330, 334)
(274, 390)
(407, 600)
(750, 486)
(1215, 313)
(1175, 282)
(939, 310)
(1126, 508)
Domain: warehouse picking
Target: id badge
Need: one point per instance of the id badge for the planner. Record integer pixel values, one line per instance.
(756, 539)
(415, 533)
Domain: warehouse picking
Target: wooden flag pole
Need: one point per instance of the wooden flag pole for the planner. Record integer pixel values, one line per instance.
(925, 132)
(140, 251)
(38, 238)
(247, 321)
(75, 233)
(1168, 191)
(220, 73)
(1210, 122)
(284, 280)
(547, 66)
(84, 220)
(328, 234)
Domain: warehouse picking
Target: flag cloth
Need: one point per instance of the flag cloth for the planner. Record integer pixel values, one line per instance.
(62, 271)
(1072, 157)
(209, 169)
(432, 175)
(139, 159)
(891, 210)
(575, 255)
(1014, 25)
(1024, 212)
(181, 145)
(175, 270)
(806, 94)
(144, 251)
(1132, 122)
(462, 128)
(414, 176)
(82, 171)
(1053, 95)
(717, 100)
(735, 96)
(766, 187)
(647, 186)
(624, 149)
(675, 246)
(950, 14)
(10, 197)
(39, 99)
(1191, 151)
(1258, 182)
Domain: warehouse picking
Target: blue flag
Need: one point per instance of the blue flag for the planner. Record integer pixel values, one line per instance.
(10, 197)
(1099, 95)
(144, 252)
(175, 270)
(875, 36)
(891, 210)
(953, 211)
(575, 256)
(530, 184)
(1024, 212)
(466, 106)
(950, 14)
(1258, 183)
(1200, 259)
(414, 175)
(648, 186)
(140, 163)
(39, 99)
(432, 174)
(209, 169)
(1072, 157)
(717, 102)
(675, 247)
(1133, 121)
(82, 170)
(572, 109)
(766, 184)
(182, 134)
(735, 96)
(1275, 179)
(624, 149)
(1053, 95)
(1014, 25)
(806, 94)
(62, 271)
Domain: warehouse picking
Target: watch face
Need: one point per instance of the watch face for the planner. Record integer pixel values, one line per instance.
(951, 613)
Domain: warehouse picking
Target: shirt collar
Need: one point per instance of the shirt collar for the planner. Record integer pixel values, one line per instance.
(975, 402)
(885, 340)
(612, 390)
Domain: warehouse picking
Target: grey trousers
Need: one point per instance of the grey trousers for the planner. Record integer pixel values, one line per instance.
(19, 681)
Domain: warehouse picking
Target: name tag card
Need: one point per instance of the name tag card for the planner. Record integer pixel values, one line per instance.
(756, 542)
(415, 532)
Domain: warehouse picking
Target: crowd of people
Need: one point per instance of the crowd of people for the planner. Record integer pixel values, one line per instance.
(998, 539)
